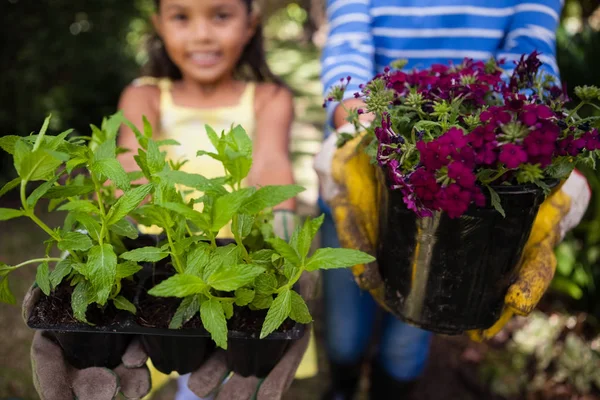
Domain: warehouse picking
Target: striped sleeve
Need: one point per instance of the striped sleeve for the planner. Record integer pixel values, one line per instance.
(349, 50)
(533, 27)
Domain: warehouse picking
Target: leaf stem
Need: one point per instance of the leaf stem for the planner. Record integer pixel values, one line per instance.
(493, 178)
(292, 281)
(98, 189)
(574, 111)
(24, 195)
(35, 261)
(177, 261)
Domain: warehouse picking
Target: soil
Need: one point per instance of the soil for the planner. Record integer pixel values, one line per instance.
(56, 308)
(157, 312)
(251, 321)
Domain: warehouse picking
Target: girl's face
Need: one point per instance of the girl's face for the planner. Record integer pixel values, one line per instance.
(205, 38)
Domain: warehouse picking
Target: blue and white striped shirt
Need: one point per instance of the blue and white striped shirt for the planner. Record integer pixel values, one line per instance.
(365, 36)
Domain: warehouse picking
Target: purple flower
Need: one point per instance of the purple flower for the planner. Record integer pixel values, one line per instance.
(461, 174)
(512, 155)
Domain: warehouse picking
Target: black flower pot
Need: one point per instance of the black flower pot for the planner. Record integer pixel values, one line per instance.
(248, 355)
(85, 350)
(182, 354)
(451, 275)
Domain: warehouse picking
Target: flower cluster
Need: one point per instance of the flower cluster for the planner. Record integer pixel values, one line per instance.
(446, 133)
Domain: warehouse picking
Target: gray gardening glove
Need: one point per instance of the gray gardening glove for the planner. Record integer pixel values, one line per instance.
(208, 379)
(55, 379)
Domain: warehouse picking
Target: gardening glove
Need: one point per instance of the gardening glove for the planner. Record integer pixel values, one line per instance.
(55, 379)
(348, 183)
(208, 379)
(561, 212)
(352, 193)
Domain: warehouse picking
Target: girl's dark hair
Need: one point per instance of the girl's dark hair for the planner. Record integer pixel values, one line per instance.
(252, 65)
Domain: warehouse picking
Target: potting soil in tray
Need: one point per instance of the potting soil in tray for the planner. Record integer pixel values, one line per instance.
(182, 350)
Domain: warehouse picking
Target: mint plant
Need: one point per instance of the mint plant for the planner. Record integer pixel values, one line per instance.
(259, 271)
(95, 225)
(81, 175)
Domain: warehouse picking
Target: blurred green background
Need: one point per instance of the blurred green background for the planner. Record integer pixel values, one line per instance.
(72, 58)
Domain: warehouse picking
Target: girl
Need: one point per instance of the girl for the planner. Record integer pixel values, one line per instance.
(207, 66)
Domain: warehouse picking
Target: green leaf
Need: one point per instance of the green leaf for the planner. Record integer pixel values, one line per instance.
(84, 206)
(8, 214)
(299, 311)
(226, 206)
(316, 225)
(213, 319)
(147, 128)
(304, 239)
(22, 150)
(112, 124)
(91, 225)
(337, 258)
(230, 277)
(199, 219)
(560, 168)
(75, 163)
(123, 304)
(261, 301)
(197, 259)
(153, 214)
(61, 192)
(7, 143)
(262, 257)
(214, 139)
(187, 309)
(110, 168)
(156, 160)
(242, 225)
(147, 254)
(124, 228)
(243, 296)
(37, 194)
(6, 295)
(181, 285)
(42, 278)
(62, 269)
(269, 196)
(542, 185)
(127, 203)
(228, 309)
(168, 142)
(75, 241)
(239, 140)
(266, 283)
(102, 270)
(287, 251)
(82, 297)
(10, 186)
(289, 269)
(278, 313)
(193, 181)
(127, 269)
(496, 201)
(229, 255)
(38, 165)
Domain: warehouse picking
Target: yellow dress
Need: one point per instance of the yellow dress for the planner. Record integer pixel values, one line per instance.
(186, 125)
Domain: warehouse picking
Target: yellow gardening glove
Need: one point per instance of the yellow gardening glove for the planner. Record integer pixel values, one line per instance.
(538, 263)
(354, 208)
